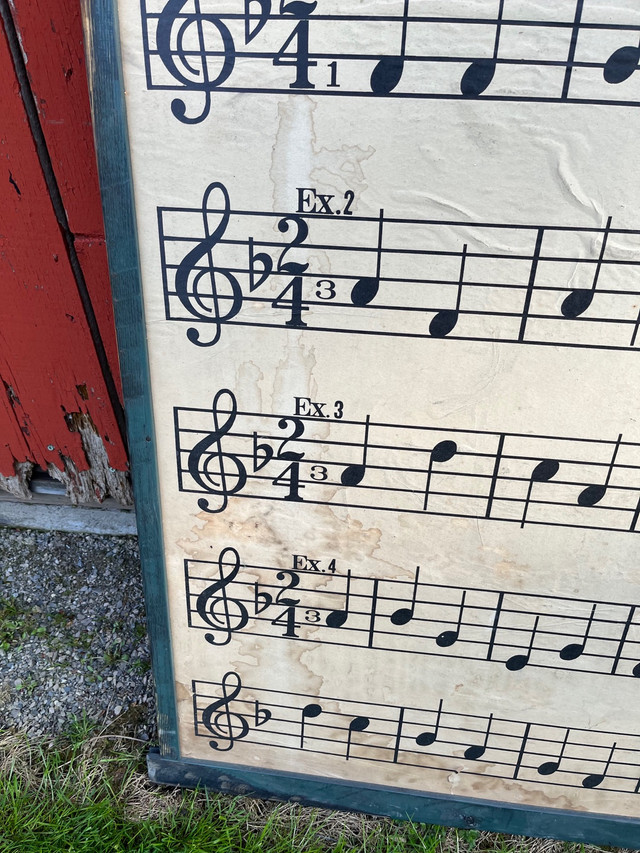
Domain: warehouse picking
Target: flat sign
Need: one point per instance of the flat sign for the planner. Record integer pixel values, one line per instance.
(381, 358)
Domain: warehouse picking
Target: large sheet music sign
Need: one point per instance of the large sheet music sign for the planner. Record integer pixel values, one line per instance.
(390, 263)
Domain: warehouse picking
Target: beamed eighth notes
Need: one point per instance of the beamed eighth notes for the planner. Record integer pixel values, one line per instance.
(406, 278)
(524, 479)
(298, 47)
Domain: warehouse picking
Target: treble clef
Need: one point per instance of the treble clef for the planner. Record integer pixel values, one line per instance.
(206, 305)
(206, 462)
(197, 79)
(214, 598)
(226, 725)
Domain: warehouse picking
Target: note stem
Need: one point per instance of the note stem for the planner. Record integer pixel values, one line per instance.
(572, 49)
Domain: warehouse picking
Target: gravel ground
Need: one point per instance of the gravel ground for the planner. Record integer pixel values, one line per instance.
(73, 639)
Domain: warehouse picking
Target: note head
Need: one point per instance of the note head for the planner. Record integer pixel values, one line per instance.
(593, 780)
(474, 752)
(576, 303)
(352, 475)
(402, 616)
(572, 651)
(311, 710)
(591, 495)
(636, 671)
(359, 724)
(337, 618)
(517, 662)
(545, 470)
(548, 768)
(447, 638)
(443, 323)
(621, 64)
(477, 78)
(426, 738)
(386, 75)
(443, 451)
(364, 291)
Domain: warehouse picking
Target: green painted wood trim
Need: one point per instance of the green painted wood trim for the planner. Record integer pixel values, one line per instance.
(114, 168)
(401, 804)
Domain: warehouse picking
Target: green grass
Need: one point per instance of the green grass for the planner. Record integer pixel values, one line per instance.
(89, 793)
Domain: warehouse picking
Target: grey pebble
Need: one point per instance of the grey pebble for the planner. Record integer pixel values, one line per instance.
(77, 599)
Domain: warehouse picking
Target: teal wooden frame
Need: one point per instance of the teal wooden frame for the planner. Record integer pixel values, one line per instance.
(166, 765)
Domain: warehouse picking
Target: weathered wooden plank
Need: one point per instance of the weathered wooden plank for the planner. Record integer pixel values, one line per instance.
(57, 412)
(51, 37)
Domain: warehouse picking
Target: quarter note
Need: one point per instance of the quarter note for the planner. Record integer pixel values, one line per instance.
(479, 74)
(337, 618)
(427, 738)
(577, 302)
(442, 452)
(218, 481)
(594, 494)
(542, 473)
(548, 768)
(358, 724)
(309, 712)
(404, 615)
(204, 304)
(621, 64)
(445, 321)
(475, 752)
(448, 638)
(353, 474)
(365, 289)
(519, 661)
(207, 603)
(574, 650)
(595, 779)
(388, 71)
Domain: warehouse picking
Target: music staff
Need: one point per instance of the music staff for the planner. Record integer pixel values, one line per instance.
(436, 737)
(515, 630)
(262, 47)
(406, 278)
(522, 478)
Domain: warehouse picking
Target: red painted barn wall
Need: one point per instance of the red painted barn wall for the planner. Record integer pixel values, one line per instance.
(55, 409)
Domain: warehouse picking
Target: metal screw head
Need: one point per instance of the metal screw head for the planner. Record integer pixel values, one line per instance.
(50, 447)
